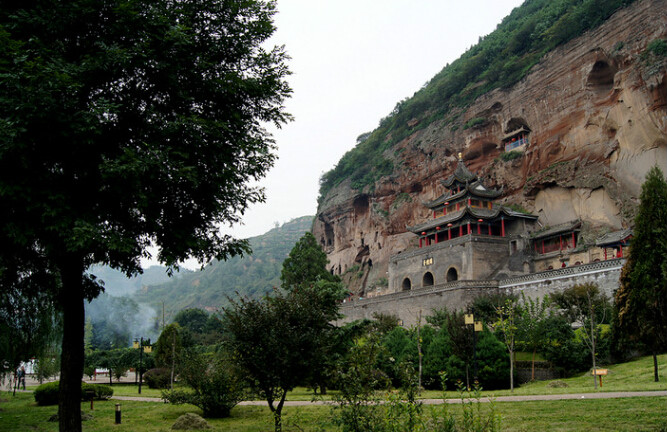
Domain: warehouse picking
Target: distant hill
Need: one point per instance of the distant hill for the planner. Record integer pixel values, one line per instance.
(117, 284)
(253, 275)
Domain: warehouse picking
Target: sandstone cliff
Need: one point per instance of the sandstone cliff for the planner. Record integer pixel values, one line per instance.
(596, 112)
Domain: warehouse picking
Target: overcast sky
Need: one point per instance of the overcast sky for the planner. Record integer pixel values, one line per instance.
(351, 62)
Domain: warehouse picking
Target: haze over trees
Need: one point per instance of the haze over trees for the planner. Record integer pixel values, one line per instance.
(126, 124)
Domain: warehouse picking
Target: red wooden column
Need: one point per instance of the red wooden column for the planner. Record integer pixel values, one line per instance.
(479, 222)
(502, 227)
(560, 238)
(605, 253)
(573, 241)
(490, 232)
(460, 230)
(437, 231)
(449, 231)
(420, 242)
(620, 251)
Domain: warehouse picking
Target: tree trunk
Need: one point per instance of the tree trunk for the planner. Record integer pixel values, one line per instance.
(71, 369)
(512, 371)
(655, 367)
(595, 378)
(173, 361)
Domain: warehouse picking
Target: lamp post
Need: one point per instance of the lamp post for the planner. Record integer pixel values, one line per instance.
(140, 344)
(469, 319)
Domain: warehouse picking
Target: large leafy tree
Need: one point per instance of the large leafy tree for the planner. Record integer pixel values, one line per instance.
(125, 123)
(641, 300)
(279, 340)
(586, 305)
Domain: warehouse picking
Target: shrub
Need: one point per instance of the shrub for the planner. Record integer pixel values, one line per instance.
(158, 378)
(476, 121)
(510, 155)
(216, 385)
(102, 392)
(47, 394)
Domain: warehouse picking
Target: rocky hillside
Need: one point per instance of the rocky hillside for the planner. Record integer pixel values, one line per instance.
(594, 110)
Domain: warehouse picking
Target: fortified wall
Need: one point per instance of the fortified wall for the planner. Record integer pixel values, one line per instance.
(406, 305)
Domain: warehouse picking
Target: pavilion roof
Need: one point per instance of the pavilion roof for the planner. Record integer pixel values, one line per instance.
(557, 229)
(468, 213)
(615, 237)
(461, 174)
(476, 189)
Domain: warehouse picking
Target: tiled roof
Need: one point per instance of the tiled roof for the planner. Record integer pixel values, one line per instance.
(557, 229)
(472, 212)
(613, 237)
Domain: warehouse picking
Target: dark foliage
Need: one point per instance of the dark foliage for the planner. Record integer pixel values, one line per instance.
(158, 378)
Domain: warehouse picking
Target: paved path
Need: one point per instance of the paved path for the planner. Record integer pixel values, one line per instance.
(569, 396)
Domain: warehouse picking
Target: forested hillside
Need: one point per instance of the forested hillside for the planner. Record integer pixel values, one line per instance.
(117, 284)
(252, 276)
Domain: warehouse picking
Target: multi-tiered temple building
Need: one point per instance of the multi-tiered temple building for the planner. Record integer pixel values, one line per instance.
(470, 237)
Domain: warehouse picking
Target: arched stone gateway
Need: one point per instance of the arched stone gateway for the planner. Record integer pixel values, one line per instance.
(407, 285)
(427, 280)
(452, 275)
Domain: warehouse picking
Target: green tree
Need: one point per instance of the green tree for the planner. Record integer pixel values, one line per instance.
(531, 326)
(641, 299)
(126, 124)
(586, 305)
(278, 341)
(216, 385)
(506, 325)
(168, 350)
(306, 264)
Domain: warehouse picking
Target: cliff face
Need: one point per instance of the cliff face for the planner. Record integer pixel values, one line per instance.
(596, 112)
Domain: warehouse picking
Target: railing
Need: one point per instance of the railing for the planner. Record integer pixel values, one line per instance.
(563, 272)
(447, 243)
(514, 144)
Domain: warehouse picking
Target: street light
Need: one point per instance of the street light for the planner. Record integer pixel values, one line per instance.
(469, 319)
(139, 343)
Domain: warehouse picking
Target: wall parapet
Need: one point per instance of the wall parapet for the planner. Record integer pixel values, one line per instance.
(565, 272)
(435, 289)
(448, 243)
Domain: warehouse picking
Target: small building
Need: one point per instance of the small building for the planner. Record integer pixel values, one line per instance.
(615, 244)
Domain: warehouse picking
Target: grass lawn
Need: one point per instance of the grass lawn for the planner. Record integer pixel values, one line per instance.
(636, 375)
(19, 413)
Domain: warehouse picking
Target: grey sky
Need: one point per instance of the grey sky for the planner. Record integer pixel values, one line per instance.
(352, 61)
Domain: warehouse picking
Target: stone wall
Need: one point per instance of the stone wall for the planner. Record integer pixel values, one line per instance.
(406, 305)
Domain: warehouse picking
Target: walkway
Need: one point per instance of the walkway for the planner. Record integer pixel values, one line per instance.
(568, 396)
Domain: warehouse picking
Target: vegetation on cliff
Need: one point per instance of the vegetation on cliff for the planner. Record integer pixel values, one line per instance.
(499, 60)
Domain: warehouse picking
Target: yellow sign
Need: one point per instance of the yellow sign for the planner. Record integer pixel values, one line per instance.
(469, 319)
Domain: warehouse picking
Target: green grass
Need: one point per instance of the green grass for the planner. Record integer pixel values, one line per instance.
(19, 413)
(636, 375)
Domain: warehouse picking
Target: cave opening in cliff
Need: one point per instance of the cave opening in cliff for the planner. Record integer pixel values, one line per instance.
(428, 279)
(452, 275)
(328, 233)
(601, 77)
(407, 285)
(361, 205)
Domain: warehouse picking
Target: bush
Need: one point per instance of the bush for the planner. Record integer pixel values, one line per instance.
(216, 385)
(47, 394)
(102, 392)
(510, 155)
(158, 378)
